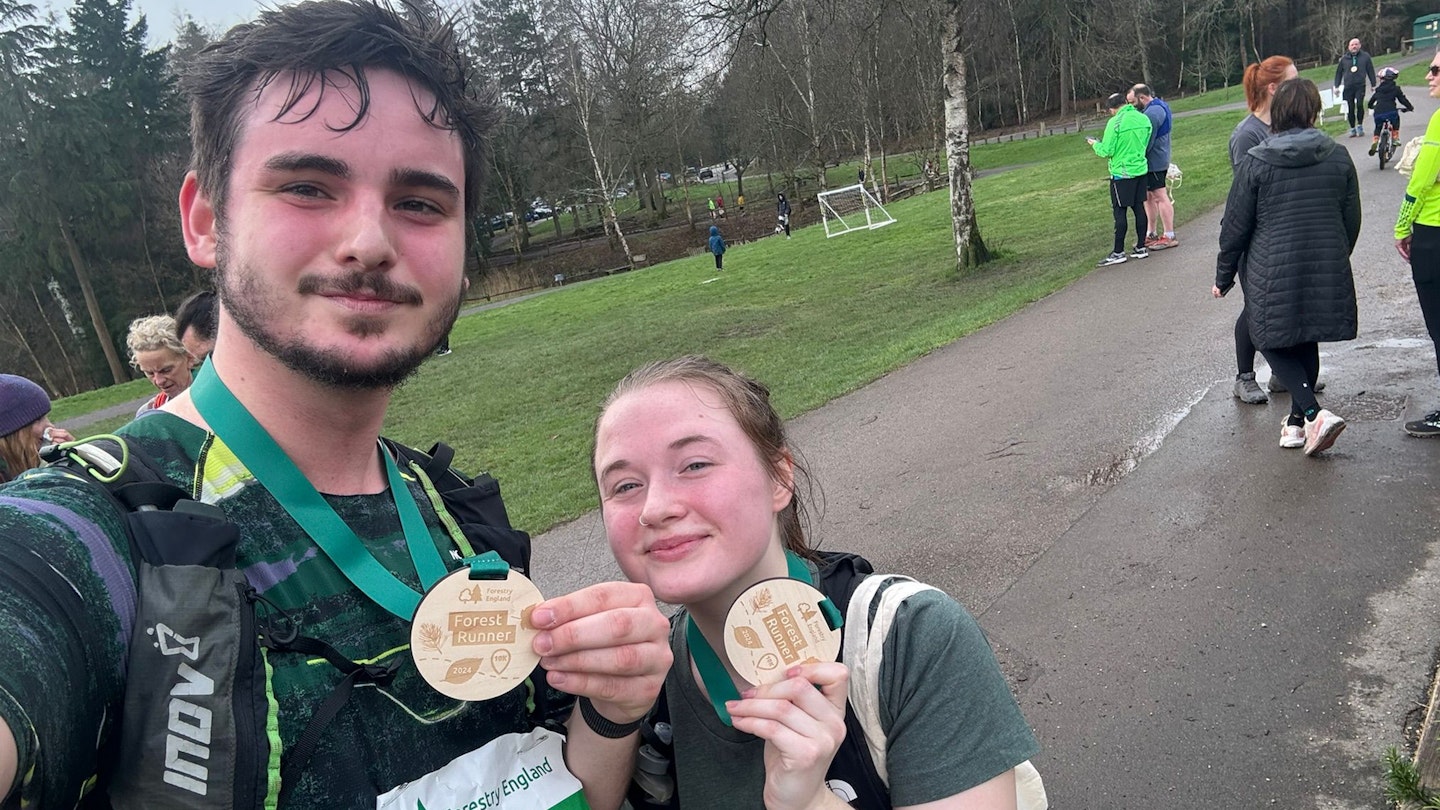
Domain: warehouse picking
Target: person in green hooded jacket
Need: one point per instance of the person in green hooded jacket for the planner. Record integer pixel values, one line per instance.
(1126, 137)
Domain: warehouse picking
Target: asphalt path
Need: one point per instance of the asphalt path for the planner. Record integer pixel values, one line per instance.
(1190, 616)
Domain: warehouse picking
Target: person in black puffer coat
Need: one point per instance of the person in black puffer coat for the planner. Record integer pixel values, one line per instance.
(1294, 214)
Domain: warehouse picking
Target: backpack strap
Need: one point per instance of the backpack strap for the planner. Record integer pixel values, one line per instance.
(471, 506)
(864, 652)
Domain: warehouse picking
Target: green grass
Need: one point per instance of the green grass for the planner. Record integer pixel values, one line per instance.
(1413, 77)
(99, 399)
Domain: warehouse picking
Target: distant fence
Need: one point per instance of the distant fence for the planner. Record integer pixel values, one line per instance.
(1080, 124)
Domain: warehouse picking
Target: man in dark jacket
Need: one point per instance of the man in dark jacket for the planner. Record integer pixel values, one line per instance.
(782, 214)
(1353, 72)
(1294, 214)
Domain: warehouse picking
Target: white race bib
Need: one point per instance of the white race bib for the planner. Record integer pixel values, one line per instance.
(518, 771)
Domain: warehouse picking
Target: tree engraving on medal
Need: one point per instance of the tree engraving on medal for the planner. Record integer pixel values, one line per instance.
(762, 600)
(432, 637)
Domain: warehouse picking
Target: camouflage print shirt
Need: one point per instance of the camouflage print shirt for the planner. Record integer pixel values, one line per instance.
(62, 685)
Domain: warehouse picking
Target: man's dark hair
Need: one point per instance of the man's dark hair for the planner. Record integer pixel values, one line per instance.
(1143, 90)
(1115, 101)
(1295, 106)
(200, 312)
(301, 44)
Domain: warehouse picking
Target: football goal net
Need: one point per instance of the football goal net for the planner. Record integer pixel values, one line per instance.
(852, 208)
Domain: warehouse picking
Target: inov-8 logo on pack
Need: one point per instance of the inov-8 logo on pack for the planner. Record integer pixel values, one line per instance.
(187, 746)
(192, 730)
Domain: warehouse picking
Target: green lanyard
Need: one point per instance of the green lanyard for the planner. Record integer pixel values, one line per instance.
(250, 442)
(718, 681)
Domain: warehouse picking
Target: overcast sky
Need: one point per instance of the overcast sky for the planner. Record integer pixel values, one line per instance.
(163, 14)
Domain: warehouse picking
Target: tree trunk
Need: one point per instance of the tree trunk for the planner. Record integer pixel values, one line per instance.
(612, 219)
(59, 344)
(1067, 105)
(1142, 46)
(43, 368)
(1019, 64)
(970, 250)
(145, 244)
(97, 318)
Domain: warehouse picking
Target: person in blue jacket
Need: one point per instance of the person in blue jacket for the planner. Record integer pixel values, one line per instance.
(717, 246)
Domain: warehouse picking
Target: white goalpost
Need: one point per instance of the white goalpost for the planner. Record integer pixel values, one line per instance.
(852, 208)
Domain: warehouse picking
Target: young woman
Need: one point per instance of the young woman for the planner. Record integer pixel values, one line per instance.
(1260, 82)
(1417, 237)
(700, 494)
(25, 425)
(1292, 218)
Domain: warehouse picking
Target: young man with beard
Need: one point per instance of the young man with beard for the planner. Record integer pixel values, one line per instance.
(337, 152)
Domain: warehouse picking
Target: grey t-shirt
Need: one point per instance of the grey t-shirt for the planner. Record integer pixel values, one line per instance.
(1157, 154)
(951, 721)
(1250, 132)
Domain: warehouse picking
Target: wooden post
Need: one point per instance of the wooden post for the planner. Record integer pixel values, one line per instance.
(1427, 753)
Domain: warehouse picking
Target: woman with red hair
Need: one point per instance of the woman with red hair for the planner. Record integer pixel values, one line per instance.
(1260, 82)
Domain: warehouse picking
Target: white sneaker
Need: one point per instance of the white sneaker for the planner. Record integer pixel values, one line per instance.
(1291, 436)
(1113, 258)
(1321, 431)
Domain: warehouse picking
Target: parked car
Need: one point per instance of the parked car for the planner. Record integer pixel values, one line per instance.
(501, 221)
(664, 177)
(706, 173)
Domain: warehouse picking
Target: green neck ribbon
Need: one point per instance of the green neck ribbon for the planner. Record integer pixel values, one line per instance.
(717, 680)
(257, 450)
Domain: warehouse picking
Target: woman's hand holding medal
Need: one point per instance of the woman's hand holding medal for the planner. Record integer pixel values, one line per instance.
(802, 727)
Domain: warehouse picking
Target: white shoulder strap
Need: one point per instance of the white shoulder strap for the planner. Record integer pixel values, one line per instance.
(865, 652)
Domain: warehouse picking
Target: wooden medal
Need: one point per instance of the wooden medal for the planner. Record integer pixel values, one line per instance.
(471, 638)
(774, 625)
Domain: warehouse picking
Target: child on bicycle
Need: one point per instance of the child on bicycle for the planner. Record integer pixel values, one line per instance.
(1383, 102)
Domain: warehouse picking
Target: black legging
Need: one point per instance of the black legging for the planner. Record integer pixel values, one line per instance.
(1425, 270)
(1244, 346)
(1354, 94)
(1298, 367)
(1118, 190)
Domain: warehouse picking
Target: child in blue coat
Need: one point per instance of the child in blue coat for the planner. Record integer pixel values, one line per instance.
(717, 246)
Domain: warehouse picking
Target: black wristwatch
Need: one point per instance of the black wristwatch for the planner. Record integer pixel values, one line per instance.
(604, 727)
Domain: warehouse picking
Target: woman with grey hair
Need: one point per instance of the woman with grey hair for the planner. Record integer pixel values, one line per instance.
(160, 356)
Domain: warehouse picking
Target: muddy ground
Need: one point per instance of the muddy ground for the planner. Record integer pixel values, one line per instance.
(504, 274)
